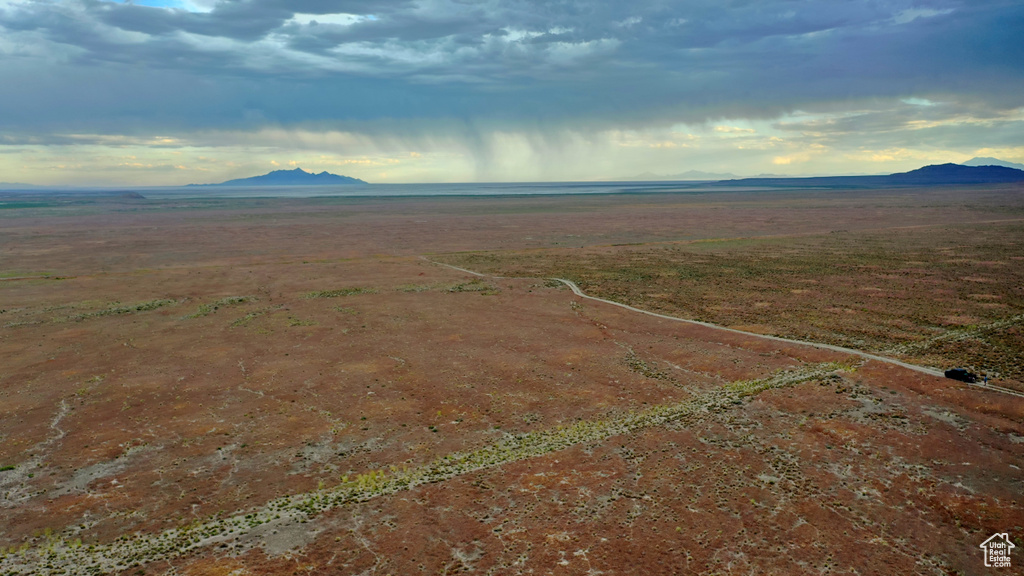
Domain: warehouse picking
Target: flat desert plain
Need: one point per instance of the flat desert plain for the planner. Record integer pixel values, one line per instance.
(209, 386)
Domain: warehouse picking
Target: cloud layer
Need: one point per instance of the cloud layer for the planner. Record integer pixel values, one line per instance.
(470, 78)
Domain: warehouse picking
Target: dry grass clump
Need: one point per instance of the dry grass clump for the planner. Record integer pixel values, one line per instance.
(340, 292)
(207, 309)
(475, 285)
(127, 309)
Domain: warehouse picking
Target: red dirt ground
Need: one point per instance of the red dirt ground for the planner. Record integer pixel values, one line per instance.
(121, 417)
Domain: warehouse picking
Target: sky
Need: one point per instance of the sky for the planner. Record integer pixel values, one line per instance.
(171, 92)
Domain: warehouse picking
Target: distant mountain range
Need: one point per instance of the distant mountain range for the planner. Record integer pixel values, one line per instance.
(986, 161)
(928, 177)
(934, 175)
(16, 186)
(296, 177)
(981, 170)
(688, 175)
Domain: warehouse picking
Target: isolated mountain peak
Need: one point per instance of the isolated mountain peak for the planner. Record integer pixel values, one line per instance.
(989, 161)
(294, 177)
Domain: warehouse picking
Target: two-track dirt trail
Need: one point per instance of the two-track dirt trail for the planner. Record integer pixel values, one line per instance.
(922, 369)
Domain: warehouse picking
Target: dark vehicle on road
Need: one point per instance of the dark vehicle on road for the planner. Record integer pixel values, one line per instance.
(962, 375)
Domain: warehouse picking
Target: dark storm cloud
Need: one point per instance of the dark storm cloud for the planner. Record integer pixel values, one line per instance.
(95, 65)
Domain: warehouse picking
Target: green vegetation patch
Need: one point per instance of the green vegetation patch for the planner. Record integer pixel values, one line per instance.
(248, 318)
(414, 287)
(638, 365)
(207, 309)
(340, 292)
(129, 309)
(476, 285)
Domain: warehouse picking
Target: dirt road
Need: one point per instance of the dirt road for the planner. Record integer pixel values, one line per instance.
(922, 369)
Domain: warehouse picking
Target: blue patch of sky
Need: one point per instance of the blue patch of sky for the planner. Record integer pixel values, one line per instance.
(180, 4)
